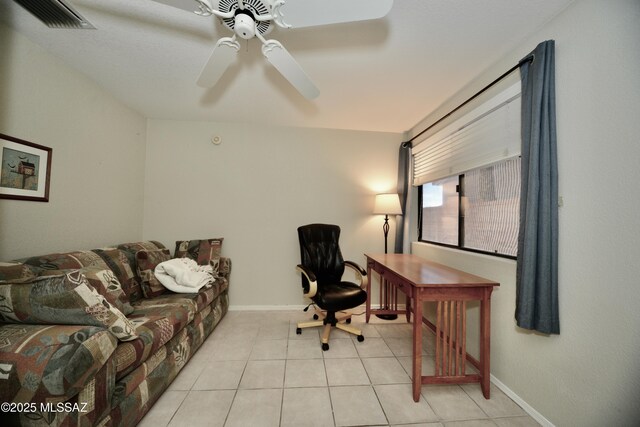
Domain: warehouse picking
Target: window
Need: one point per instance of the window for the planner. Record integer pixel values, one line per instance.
(440, 211)
(477, 210)
(468, 172)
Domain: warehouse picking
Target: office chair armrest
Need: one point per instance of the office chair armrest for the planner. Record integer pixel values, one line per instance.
(311, 279)
(362, 274)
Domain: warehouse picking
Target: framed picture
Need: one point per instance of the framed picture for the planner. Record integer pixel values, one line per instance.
(25, 169)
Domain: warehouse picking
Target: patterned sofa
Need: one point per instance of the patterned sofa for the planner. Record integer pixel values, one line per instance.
(90, 338)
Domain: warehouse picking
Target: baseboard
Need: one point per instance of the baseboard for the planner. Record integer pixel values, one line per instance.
(524, 405)
(266, 307)
(281, 307)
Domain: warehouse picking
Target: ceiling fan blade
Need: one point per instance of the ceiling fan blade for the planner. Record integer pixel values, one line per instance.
(308, 13)
(222, 56)
(289, 68)
(199, 7)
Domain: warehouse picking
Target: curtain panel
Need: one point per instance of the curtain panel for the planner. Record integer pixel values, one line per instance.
(402, 221)
(537, 268)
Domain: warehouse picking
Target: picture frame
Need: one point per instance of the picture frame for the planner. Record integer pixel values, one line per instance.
(25, 170)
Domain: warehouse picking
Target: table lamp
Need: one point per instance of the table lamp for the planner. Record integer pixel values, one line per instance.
(387, 204)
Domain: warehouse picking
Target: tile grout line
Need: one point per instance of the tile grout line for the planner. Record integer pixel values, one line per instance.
(235, 392)
(272, 332)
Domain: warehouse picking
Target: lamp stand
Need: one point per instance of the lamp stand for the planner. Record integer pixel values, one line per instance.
(385, 230)
(387, 288)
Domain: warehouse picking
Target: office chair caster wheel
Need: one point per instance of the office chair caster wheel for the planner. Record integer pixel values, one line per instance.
(325, 346)
(298, 331)
(360, 338)
(315, 317)
(348, 321)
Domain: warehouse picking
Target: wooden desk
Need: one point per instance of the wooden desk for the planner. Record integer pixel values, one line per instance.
(422, 280)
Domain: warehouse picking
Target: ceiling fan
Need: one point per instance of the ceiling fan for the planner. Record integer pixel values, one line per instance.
(256, 18)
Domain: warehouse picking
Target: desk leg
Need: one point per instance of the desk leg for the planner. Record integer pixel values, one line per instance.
(417, 348)
(485, 343)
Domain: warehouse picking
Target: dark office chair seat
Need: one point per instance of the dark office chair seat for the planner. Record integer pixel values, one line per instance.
(322, 267)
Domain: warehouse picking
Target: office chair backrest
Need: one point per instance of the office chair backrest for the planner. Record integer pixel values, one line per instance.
(319, 251)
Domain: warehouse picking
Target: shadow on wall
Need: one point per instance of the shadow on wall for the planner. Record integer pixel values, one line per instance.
(6, 45)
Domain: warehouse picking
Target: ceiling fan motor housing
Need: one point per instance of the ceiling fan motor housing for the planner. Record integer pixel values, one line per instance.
(245, 26)
(253, 8)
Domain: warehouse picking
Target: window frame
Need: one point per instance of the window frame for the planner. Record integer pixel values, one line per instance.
(459, 245)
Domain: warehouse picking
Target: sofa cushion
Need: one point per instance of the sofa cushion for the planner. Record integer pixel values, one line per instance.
(66, 261)
(146, 262)
(116, 260)
(66, 299)
(105, 282)
(40, 362)
(16, 272)
(195, 302)
(204, 252)
(156, 323)
(130, 250)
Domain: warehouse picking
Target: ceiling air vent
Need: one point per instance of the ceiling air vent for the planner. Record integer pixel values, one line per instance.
(56, 13)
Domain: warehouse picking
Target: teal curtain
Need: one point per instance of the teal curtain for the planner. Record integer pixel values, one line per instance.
(537, 268)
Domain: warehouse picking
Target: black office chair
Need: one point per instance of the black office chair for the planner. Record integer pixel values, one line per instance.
(322, 267)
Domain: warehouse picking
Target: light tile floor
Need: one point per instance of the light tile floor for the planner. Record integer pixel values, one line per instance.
(254, 371)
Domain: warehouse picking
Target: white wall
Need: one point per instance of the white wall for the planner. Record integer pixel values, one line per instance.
(261, 183)
(257, 187)
(589, 375)
(97, 173)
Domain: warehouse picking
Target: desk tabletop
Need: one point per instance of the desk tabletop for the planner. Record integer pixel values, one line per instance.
(421, 272)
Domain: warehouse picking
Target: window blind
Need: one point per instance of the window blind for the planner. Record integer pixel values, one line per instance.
(487, 134)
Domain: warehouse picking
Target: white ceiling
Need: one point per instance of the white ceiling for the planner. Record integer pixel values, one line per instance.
(383, 75)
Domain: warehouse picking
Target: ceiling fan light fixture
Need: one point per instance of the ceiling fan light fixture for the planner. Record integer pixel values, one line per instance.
(245, 26)
(252, 7)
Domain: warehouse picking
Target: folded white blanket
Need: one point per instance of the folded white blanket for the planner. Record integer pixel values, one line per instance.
(183, 275)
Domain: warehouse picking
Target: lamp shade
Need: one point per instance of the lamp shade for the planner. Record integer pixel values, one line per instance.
(387, 204)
